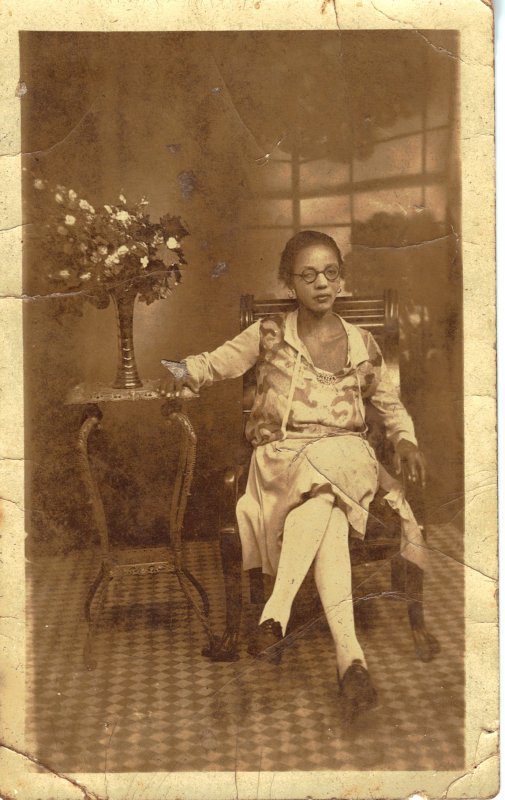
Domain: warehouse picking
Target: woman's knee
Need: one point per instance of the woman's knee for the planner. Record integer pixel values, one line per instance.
(321, 497)
(318, 508)
(314, 514)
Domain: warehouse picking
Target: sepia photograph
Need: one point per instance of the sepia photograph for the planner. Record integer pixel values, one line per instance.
(246, 249)
(245, 360)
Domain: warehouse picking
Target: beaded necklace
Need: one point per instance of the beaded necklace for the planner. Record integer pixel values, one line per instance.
(327, 377)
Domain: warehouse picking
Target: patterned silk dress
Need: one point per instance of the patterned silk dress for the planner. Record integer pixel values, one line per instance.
(308, 430)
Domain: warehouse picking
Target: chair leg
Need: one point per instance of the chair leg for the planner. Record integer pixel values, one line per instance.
(256, 587)
(226, 649)
(260, 589)
(362, 605)
(363, 614)
(398, 575)
(426, 645)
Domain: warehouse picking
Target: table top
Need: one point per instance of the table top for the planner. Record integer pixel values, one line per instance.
(85, 393)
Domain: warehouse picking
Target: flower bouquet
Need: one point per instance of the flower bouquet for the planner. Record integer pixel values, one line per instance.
(113, 252)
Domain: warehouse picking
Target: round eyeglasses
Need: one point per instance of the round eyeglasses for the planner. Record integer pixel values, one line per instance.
(310, 274)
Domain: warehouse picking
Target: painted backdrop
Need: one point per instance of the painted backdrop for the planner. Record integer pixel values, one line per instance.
(249, 136)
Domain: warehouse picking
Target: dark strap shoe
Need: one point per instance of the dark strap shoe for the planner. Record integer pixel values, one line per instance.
(357, 691)
(265, 642)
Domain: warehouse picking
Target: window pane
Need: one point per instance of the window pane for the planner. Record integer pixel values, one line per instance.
(436, 201)
(403, 125)
(270, 176)
(261, 252)
(399, 157)
(325, 211)
(436, 150)
(322, 176)
(262, 211)
(386, 201)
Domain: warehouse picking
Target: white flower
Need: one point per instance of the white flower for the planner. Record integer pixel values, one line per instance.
(85, 276)
(121, 251)
(122, 198)
(86, 206)
(112, 259)
(172, 243)
(39, 184)
(144, 262)
(122, 216)
(58, 197)
(64, 273)
(103, 250)
(108, 209)
(72, 195)
(69, 220)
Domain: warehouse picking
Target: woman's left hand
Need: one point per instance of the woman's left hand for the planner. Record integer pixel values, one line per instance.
(415, 464)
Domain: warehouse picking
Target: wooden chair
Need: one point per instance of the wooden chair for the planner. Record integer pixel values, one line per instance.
(382, 541)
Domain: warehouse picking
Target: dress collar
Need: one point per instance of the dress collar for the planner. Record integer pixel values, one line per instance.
(357, 349)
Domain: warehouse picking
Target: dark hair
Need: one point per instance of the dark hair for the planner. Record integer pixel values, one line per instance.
(297, 243)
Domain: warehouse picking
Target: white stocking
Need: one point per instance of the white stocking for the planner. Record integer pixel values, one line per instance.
(318, 530)
(304, 529)
(332, 573)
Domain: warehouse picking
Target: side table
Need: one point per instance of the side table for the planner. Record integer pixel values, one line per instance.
(113, 562)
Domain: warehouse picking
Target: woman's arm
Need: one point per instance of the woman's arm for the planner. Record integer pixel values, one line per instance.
(230, 360)
(397, 421)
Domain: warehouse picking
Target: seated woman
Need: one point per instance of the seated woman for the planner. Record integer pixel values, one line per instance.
(312, 474)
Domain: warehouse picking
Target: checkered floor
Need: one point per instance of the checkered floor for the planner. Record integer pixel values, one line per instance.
(155, 704)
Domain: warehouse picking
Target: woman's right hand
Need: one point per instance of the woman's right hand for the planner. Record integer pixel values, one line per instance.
(171, 386)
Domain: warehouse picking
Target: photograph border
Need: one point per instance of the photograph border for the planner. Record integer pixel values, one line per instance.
(473, 19)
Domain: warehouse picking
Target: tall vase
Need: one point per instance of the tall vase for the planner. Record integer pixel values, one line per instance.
(127, 376)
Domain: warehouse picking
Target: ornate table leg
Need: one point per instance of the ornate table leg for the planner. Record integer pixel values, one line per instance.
(187, 453)
(91, 418)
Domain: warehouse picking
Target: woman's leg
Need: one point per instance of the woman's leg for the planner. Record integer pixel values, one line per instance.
(318, 530)
(304, 529)
(332, 573)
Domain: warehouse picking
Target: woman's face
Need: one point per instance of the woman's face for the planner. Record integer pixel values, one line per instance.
(318, 296)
